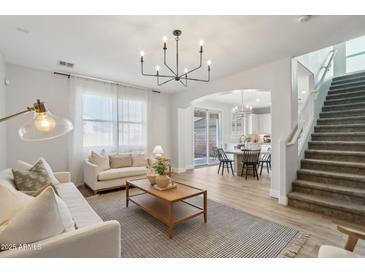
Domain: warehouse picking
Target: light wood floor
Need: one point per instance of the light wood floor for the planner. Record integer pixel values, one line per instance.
(252, 196)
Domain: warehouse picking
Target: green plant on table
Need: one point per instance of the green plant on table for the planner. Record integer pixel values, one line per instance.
(162, 166)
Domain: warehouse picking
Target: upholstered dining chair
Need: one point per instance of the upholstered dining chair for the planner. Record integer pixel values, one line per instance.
(224, 161)
(251, 161)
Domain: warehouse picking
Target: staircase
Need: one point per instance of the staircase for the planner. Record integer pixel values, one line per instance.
(331, 179)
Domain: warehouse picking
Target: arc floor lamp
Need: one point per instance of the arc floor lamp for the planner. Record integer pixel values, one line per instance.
(43, 126)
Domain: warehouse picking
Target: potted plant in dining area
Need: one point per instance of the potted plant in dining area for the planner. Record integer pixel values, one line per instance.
(162, 166)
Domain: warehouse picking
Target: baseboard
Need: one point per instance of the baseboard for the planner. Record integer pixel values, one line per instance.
(274, 193)
(283, 200)
(178, 170)
(189, 167)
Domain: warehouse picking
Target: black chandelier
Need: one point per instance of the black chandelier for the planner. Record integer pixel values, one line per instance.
(183, 77)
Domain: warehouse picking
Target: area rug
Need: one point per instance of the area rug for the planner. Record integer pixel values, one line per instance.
(229, 233)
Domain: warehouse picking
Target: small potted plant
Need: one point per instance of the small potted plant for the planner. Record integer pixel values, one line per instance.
(162, 166)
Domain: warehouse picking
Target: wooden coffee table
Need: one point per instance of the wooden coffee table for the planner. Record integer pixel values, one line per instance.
(168, 206)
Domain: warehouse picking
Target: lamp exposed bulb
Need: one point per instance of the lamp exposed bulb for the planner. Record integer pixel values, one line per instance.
(209, 62)
(44, 122)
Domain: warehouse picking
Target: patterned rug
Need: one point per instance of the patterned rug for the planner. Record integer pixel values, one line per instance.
(229, 233)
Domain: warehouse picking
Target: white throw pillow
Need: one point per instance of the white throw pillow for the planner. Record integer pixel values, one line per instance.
(26, 166)
(100, 160)
(65, 213)
(37, 221)
(11, 202)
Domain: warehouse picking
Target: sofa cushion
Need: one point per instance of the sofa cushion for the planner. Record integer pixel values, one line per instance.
(11, 202)
(139, 160)
(82, 213)
(6, 179)
(42, 212)
(100, 160)
(120, 160)
(115, 173)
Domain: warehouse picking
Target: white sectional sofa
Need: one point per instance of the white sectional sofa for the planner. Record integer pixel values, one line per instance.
(110, 178)
(92, 238)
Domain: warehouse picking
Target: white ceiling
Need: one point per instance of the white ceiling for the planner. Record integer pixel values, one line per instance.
(251, 97)
(109, 46)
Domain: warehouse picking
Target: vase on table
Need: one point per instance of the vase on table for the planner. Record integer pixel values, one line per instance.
(162, 181)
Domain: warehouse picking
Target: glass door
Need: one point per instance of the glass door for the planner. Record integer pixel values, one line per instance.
(207, 136)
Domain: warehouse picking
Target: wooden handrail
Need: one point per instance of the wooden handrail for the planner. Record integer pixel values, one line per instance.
(295, 136)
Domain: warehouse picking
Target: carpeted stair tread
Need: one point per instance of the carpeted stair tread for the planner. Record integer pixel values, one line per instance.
(337, 175)
(338, 152)
(360, 143)
(357, 125)
(342, 93)
(344, 100)
(338, 134)
(343, 106)
(335, 163)
(342, 118)
(347, 89)
(348, 76)
(329, 202)
(360, 81)
(351, 191)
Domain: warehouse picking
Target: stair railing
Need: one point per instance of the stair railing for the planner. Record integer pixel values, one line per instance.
(307, 114)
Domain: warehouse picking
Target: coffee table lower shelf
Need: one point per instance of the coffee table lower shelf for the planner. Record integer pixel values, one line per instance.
(169, 213)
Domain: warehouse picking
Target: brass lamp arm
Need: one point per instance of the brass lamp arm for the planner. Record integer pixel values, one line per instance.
(29, 109)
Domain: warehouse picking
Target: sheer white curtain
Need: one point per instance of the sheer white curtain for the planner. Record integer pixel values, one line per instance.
(106, 117)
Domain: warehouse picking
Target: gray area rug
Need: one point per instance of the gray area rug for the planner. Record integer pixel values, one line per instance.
(229, 233)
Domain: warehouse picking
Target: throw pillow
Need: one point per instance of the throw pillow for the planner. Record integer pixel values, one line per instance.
(100, 160)
(33, 181)
(120, 160)
(26, 166)
(139, 160)
(39, 220)
(11, 202)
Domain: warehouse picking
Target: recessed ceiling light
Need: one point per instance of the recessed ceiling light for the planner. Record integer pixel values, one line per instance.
(22, 30)
(304, 18)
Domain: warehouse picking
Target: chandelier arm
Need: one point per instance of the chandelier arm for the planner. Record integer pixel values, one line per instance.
(154, 75)
(177, 55)
(185, 85)
(164, 61)
(198, 67)
(160, 84)
(200, 80)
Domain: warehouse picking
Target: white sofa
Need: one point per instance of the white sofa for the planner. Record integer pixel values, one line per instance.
(93, 237)
(110, 178)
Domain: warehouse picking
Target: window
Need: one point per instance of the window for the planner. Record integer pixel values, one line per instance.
(355, 54)
(115, 121)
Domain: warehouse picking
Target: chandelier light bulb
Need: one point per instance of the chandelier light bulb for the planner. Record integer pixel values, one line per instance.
(157, 68)
(201, 43)
(164, 39)
(142, 53)
(247, 106)
(209, 62)
(186, 70)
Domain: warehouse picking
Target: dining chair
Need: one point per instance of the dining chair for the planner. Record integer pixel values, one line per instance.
(224, 161)
(251, 160)
(265, 159)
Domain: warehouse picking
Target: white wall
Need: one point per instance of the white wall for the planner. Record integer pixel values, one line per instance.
(2, 113)
(27, 85)
(275, 77)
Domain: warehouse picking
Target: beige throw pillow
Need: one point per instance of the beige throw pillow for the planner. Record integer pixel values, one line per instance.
(100, 160)
(37, 221)
(34, 180)
(139, 160)
(120, 160)
(11, 202)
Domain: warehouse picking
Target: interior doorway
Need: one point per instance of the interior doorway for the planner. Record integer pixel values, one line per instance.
(207, 136)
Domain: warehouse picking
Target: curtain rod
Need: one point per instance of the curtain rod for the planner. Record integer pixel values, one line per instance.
(68, 75)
